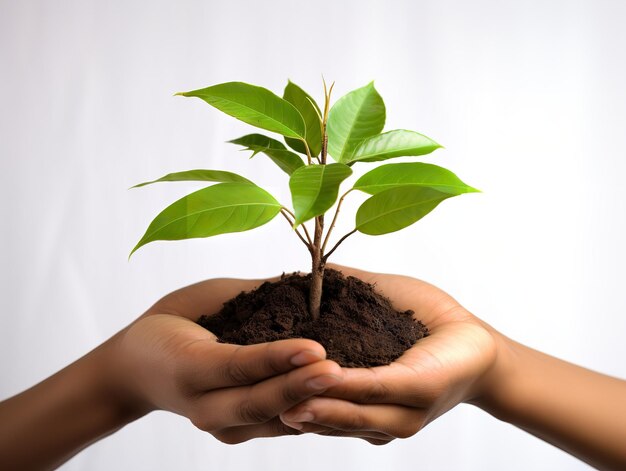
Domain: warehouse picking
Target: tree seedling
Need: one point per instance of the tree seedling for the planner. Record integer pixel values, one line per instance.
(350, 132)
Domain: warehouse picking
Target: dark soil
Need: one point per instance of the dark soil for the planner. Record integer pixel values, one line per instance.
(357, 326)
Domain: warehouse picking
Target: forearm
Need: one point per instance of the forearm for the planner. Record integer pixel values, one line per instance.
(578, 410)
(52, 421)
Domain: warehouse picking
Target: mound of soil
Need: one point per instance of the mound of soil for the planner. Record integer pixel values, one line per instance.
(357, 326)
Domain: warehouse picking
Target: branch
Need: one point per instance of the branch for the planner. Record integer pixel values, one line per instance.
(332, 224)
(296, 230)
(325, 257)
(306, 232)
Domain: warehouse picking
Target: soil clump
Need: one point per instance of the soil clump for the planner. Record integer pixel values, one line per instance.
(357, 326)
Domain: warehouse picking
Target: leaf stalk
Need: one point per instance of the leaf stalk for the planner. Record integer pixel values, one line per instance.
(325, 257)
(291, 223)
(332, 224)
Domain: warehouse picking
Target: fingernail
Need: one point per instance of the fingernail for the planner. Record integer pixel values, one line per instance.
(305, 357)
(294, 425)
(297, 417)
(322, 382)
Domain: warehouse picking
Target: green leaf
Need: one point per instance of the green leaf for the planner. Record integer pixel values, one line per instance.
(200, 176)
(310, 112)
(254, 105)
(314, 189)
(415, 174)
(275, 150)
(396, 208)
(218, 209)
(356, 116)
(398, 143)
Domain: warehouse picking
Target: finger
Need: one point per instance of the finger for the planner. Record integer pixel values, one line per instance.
(366, 420)
(396, 383)
(378, 442)
(331, 432)
(370, 437)
(242, 433)
(263, 401)
(442, 365)
(276, 428)
(219, 365)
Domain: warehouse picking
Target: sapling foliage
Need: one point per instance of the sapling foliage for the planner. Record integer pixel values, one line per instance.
(350, 133)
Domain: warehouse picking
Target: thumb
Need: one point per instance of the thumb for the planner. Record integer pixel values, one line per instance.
(221, 365)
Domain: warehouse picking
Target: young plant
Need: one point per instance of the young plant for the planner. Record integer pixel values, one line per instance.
(350, 132)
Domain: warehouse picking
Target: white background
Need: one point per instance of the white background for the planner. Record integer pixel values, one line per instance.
(527, 97)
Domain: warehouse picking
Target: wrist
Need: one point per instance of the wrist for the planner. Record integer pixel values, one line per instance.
(496, 386)
(115, 382)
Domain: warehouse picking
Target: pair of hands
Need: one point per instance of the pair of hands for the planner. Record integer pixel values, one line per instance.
(166, 361)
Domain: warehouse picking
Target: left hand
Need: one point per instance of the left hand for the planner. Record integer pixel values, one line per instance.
(451, 365)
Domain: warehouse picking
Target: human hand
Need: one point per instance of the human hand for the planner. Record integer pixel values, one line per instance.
(450, 366)
(164, 360)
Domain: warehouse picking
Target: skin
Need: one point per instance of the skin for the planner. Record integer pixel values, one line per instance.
(466, 360)
(164, 361)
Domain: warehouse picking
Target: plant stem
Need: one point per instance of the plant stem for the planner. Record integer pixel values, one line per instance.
(317, 270)
(318, 260)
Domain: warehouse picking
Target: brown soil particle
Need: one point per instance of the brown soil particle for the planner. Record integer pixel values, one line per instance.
(357, 326)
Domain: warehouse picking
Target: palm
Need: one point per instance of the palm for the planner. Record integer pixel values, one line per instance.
(457, 350)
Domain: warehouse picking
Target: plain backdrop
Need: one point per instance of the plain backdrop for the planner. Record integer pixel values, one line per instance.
(528, 99)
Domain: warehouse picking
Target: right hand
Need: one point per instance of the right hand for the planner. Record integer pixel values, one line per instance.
(164, 360)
